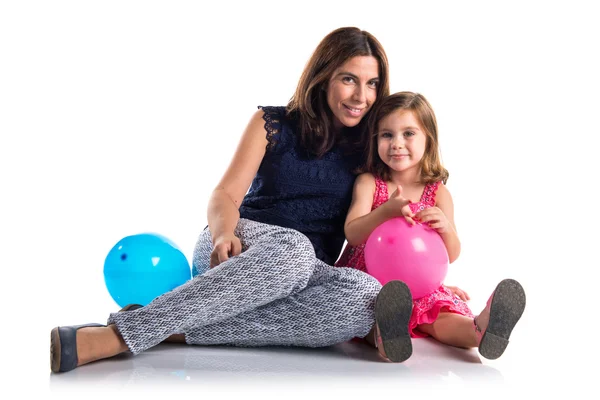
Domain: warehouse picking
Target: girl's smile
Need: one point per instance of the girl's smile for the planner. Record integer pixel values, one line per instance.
(401, 140)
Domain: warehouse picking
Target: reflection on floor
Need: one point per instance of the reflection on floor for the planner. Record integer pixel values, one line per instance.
(344, 364)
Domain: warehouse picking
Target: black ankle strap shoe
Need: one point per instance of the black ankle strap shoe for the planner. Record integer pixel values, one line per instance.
(63, 347)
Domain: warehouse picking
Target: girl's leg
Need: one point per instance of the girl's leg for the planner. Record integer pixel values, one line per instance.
(453, 329)
(490, 330)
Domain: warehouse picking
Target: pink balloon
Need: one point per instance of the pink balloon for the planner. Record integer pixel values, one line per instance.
(416, 255)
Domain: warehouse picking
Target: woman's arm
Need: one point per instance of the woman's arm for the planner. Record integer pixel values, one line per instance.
(361, 221)
(224, 203)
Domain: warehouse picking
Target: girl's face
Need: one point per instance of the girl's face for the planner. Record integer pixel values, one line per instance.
(352, 89)
(401, 141)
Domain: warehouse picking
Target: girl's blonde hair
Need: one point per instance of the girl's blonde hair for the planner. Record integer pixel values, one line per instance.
(432, 169)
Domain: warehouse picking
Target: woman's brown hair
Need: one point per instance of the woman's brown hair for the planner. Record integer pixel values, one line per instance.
(309, 102)
(432, 169)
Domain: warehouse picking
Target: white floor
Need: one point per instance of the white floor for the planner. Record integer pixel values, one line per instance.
(352, 368)
(172, 363)
(541, 360)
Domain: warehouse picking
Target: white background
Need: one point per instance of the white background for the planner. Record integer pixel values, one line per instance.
(119, 117)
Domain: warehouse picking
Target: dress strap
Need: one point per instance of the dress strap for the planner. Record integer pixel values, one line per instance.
(428, 196)
(381, 194)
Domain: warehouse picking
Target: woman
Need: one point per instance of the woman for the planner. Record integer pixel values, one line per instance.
(270, 249)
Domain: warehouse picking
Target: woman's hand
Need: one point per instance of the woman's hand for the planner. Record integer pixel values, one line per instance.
(461, 294)
(435, 218)
(225, 246)
(400, 206)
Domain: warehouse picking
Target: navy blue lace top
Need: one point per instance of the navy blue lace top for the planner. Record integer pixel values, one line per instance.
(296, 190)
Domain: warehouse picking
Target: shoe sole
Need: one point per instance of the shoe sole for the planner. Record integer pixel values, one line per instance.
(393, 309)
(55, 350)
(506, 309)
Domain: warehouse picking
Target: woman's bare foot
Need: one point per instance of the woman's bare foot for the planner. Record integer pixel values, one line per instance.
(96, 343)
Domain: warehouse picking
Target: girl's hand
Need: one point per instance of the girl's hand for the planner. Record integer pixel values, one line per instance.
(461, 294)
(400, 206)
(224, 247)
(435, 218)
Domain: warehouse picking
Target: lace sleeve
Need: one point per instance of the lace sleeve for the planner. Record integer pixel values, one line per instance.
(272, 119)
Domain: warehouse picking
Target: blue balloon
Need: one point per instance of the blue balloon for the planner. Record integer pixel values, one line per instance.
(141, 267)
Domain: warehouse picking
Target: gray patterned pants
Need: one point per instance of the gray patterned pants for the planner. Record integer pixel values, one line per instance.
(276, 292)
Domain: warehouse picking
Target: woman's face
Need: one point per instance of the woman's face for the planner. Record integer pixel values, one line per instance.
(352, 89)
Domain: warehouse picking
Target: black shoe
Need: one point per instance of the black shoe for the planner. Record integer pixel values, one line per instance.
(393, 309)
(63, 347)
(505, 307)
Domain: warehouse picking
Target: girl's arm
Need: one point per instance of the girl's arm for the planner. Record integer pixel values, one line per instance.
(224, 203)
(447, 230)
(361, 221)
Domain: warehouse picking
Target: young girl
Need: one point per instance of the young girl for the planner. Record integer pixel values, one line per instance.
(403, 159)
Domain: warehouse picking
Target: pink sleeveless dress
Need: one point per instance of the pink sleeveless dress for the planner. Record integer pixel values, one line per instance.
(427, 308)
